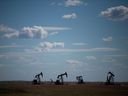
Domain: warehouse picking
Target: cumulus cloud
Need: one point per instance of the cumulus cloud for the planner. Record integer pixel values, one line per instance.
(107, 39)
(70, 16)
(34, 32)
(91, 57)
(47, 46)
(30, 32)
(116, 13)
(73, 3)
(73, 61)
(40, 31)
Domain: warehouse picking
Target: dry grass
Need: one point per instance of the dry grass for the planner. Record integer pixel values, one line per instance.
(62, 90)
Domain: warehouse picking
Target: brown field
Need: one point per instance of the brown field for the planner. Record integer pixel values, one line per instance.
(27, 89)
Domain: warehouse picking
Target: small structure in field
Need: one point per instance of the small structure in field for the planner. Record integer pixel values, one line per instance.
(60, 80)
(110, 78)
(37, 79)
(80, 79)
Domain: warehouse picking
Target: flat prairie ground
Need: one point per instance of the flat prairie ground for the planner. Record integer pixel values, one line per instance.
(27, 89)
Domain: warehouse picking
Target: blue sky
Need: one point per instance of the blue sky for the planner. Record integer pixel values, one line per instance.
(81, 37)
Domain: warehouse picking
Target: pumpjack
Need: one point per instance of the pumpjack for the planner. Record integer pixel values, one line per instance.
(110, 78)
(79, 79)
(37, 79)
(60, 80)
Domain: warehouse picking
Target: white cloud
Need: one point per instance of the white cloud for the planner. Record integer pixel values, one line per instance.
(8, 32)
(54, 33)
(53, 28)
(47, 46)
(103, 49)
(34, 32)
(91, 57)
(108, 39)
(70, 3)
(27, 32)
(70, 16)
(30, 32)
(7, 29)
(11, 35)
(79, 44)
(39, 49)
(73, 3)
(116, 13)
(73, 61)
(41, 31)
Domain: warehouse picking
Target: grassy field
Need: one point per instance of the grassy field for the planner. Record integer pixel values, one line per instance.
(27, 89)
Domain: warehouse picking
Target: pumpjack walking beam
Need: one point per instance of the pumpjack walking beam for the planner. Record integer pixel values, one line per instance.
(37, 79)
(60, 80)
(110, 78)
